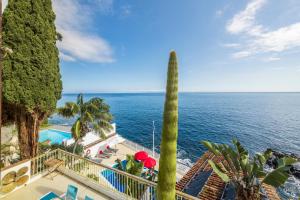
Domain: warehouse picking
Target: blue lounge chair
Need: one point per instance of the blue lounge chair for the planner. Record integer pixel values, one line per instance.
(49, 196)
(88, 198)
(71, 193)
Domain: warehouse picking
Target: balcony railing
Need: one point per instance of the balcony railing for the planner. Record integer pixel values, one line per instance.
(110, 180)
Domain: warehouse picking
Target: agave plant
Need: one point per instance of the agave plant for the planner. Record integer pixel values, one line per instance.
(247, 175)
(93, 114)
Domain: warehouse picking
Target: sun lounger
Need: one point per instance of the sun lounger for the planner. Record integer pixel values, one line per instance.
(104, 154)
(111, 150)
(50, 196)
(71, 193)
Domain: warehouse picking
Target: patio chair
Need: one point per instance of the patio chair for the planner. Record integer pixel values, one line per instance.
(104, 154)
(111, 150)
(88, 198)
(53, 164)
(49, 195)
(71, 193)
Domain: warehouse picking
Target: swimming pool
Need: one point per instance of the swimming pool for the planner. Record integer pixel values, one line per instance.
(55, 136)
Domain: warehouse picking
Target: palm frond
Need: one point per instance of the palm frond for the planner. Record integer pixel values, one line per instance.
(69, 110)
(76, 130)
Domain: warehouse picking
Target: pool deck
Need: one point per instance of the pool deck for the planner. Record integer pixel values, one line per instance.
(58, 185)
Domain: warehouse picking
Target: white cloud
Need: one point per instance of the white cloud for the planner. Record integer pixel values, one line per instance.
(259, 39)
(245, 20)
(125, 10)
(278, 68)
(66, 57)
(73, 20)
(241, 54)
(86, 47)
(279, 40)
(271, 59)
(219, 13)
(231, 45)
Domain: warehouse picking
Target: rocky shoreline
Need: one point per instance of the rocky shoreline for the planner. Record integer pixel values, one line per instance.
(273, 162)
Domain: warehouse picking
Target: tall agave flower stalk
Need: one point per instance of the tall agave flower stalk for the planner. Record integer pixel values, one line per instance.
(168, 148)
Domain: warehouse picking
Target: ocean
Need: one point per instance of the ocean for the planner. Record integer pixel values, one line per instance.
(258, 120)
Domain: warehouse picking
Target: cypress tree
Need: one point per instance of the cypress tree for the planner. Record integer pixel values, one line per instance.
(31, 78)
(168, 147)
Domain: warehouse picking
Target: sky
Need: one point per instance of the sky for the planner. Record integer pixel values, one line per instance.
(222, 46)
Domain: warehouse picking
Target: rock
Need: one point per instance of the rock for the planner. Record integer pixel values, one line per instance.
(273, 162)
(295, 170)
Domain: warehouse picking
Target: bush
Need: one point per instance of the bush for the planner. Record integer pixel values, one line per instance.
(93, 176)
(78, 151)
(43, 147)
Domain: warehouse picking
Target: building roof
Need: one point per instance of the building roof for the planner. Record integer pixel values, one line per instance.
(202, 182)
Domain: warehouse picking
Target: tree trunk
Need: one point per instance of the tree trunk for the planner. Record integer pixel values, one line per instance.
(28, 127)
(75, 145)
(248, 194)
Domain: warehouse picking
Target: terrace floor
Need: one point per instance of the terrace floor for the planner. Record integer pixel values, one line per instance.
(123, 150)
(58, 185)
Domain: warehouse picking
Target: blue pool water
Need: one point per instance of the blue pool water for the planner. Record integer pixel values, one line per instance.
(113, 178)
(55, 136)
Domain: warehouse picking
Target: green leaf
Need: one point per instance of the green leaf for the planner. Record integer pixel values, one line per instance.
(211, 147)
(240, 149)
(234, 157)
(277, 177)
(286, 161)
(219, 171)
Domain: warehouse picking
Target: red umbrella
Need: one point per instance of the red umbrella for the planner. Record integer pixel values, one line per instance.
(149, 162)
(141, 155)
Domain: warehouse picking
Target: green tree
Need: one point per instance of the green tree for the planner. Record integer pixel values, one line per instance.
(93, 114)
(247, 175)
(31, 78)
(168, 148)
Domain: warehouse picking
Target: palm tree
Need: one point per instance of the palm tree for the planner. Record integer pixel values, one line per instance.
(93, 114)
(247, 175)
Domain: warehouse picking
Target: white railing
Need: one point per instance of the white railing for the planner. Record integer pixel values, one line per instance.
(108, 180)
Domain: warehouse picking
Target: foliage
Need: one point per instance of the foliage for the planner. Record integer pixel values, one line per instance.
(31, 78)
(31, 75)
(135, 168)
(45, 124)
(247, 174)
(168, 149)
(44, 147)
(93, 113)
(94, 177)
(132, 166)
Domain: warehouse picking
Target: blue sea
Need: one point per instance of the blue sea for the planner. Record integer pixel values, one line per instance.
(258, 120)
